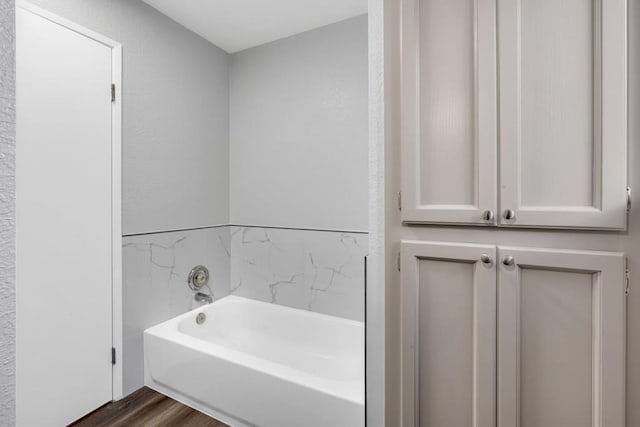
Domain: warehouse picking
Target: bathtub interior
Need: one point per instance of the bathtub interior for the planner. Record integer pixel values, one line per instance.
(316, 344)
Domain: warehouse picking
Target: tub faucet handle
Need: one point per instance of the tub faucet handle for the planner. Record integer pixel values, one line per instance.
(198, 277)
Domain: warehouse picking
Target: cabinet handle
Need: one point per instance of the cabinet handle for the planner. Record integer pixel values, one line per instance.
(508, 260)
(486, 259)
(509, 214)
(487, 215)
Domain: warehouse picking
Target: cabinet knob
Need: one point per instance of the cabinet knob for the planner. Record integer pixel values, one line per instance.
(487, 215)
(509, 214)
(508, 260)
(486, 259)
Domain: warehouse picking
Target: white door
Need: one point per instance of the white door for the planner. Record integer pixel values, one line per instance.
(448, 335)
(449, 134)
(561, 354)
(67, 222)
(563, 117)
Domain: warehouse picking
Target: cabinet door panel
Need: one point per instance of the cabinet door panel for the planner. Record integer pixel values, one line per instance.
(449, 335)
(561, 339)
(557, 107)
(449, 111)
(563, 112)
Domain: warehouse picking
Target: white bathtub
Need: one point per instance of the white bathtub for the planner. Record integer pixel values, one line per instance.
(258, 364)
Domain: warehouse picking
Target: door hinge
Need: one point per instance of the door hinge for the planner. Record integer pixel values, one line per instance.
(113, 92)
(113, 355)
(400, 200)
(627, 288)
(628, 199)
(398, 261)
(627, 278)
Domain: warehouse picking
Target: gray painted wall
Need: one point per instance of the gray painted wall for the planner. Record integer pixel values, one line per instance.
(176, 158)
(175, 115)
(313, 270)
(7, 214)
(299, 130)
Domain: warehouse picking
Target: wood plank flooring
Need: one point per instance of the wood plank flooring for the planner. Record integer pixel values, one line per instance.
(146, 408)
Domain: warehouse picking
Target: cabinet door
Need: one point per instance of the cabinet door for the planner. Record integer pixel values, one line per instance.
(449, 335)
(561, 354)
(449, 111)
(563, 118)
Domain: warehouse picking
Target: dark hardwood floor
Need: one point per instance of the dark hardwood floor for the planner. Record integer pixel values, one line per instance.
(147, 408)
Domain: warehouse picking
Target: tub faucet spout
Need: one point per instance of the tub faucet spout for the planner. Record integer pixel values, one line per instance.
(202, 297)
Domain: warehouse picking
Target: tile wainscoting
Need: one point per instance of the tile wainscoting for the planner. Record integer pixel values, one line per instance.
(155, 271)
(321, 271)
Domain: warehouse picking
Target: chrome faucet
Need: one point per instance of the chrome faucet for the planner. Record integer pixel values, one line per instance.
(202, 297)
(199, 278)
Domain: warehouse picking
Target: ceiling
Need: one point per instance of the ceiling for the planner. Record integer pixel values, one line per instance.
(235, 25)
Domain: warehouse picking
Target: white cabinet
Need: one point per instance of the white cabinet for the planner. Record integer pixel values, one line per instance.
(561, 334)
(449, 335)
(449, 111)
(563, 117)
(557, 320)
(546, 82)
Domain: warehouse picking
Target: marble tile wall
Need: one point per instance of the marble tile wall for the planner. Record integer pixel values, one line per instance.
(321, 271)
(155, 271)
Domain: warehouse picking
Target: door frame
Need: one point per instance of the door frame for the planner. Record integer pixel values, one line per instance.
(116, 182)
